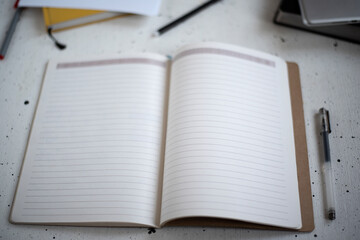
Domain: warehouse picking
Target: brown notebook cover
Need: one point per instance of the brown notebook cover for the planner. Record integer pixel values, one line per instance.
(307, 216)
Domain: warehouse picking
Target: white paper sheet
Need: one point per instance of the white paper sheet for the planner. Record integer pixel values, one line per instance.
(143, 7)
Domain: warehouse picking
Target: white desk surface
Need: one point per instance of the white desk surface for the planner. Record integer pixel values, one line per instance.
(330, 77)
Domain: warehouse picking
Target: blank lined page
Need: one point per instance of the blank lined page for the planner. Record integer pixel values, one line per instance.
(94, 154)
(230, 145)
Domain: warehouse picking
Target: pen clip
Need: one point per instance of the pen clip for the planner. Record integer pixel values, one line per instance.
(326, 119)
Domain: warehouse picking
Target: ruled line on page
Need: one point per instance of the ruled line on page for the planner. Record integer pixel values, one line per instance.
(217, 139)
(133, 123)
(87, 182)
(99, 90)
(192, 158)
(219, 163)
(219, 170)
(223, 85)
(212, 133)
(90, 170)
(214, 84)
(102, 158)
(150, 164)
(186, 175)
(115, 98)
(92, 103)
(99, 130)
(231, 190)
(222, 107)
(207, 98)
(86, 201)
(178, 146)
(83, 188)
(89, 113)
(222, 151)
(91, 147)
(184, 97)
(251, 98)
(126, 216)
(60, 165)
(258, 78)
(230, 203)
(259, 192)
(222, 131)
(67, 80)
(97, 176)
(94, 107)
(106, 135)
(89, 188)
(103, 96)
(57, 154)
(220, 122)
(158, 121)
(87, 195)
(74, 208)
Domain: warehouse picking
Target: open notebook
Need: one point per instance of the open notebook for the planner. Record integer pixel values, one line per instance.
(138, 140)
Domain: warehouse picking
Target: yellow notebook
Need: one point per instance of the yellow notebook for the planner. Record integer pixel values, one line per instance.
(62, 18)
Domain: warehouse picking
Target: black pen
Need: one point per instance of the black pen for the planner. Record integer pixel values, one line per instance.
(183, 18)
(327, 169)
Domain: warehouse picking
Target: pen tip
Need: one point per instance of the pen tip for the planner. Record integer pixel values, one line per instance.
(155, 34)
(1, 57)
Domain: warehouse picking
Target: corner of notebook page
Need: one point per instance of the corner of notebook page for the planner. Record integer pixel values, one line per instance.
(296, 225)
(50, 65)
(12, 218)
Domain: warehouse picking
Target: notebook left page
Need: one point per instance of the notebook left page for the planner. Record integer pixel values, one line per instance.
(94, 154)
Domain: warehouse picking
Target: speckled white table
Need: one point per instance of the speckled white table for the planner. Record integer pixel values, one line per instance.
(330, 77)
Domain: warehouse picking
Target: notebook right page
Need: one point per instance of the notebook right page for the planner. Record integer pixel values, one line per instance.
(230, 149)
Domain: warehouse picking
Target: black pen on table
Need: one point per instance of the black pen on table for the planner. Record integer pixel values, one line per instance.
(183, 18)
(327, 169)
(10, 31)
